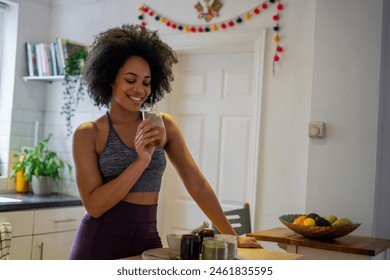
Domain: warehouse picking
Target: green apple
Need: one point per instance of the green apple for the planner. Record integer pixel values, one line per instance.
(332, 218)
(342, 222)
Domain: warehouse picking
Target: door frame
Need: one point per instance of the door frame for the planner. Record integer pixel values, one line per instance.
(252, 40)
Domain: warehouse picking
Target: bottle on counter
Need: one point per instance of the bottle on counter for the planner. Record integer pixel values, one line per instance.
(21, 185)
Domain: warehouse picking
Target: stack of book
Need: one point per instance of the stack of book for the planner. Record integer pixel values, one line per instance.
(49, 59)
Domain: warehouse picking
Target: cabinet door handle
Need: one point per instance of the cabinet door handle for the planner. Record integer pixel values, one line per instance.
(41, 251)
(65, 221)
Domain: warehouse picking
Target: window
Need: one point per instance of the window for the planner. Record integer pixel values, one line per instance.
(8, 43)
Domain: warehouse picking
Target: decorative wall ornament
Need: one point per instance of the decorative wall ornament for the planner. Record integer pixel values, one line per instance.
(207, 11)
(147, 11)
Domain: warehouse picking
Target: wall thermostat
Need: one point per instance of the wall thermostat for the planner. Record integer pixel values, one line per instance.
(316, 130)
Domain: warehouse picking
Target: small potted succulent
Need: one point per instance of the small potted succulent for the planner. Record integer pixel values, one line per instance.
(41, 167)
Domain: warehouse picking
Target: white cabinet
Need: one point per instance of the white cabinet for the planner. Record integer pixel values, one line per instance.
(52, 246)
(43, 233)
(54, 231)
(22, 228)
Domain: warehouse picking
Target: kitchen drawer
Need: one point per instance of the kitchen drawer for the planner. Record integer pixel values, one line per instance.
(57, 219)
(21, 222)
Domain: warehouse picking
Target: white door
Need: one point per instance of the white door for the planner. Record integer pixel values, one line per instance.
(213, 100)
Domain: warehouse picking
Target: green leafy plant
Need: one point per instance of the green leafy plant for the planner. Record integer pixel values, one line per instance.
(74, 85)
(39, 161)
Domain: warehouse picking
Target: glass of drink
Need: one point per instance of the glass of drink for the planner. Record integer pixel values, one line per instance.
(155, 119)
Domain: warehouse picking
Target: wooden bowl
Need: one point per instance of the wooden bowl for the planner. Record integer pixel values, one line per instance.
(317, 232)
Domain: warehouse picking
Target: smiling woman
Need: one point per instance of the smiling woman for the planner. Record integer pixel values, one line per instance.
(8, 39)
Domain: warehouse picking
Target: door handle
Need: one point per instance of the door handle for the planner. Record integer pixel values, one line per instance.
(40, 246)
(65, 221)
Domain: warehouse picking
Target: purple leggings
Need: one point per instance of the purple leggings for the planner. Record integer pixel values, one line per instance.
(125, 230)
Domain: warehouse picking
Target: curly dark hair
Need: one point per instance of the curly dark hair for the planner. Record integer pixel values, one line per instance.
(113, 47)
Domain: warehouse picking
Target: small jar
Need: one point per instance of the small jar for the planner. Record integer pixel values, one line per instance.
(190, 247)
(231, 243)
(214, 249)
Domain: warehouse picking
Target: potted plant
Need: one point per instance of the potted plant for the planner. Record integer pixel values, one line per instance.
(74, 89)
(41, 167)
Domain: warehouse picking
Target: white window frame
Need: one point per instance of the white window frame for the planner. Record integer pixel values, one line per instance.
(3, 10)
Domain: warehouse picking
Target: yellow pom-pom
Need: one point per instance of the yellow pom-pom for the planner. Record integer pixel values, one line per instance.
(163, 20)
(248, 16)
(276, 39)
(187, 29)
(140, 9)
(214, 27)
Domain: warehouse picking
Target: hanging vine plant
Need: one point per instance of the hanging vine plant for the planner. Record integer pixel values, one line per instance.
(74, 85)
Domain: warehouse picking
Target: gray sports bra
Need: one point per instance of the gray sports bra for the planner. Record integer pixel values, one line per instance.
(116, 157)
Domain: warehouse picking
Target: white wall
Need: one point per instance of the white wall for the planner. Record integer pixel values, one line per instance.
(341, 167)
(329, 71)
(382, 186)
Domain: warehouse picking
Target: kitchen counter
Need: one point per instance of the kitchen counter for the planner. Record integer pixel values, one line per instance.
(31, 201)
(347, 247)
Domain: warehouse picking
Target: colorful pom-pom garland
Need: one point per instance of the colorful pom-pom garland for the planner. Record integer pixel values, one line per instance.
(230, 23)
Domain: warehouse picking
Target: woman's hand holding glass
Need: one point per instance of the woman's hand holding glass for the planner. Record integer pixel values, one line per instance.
(150, 133)
(156, 120)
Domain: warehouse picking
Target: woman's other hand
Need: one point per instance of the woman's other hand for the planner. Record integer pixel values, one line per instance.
(248, 242)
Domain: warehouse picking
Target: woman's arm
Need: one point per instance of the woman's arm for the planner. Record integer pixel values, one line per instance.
(195, 182)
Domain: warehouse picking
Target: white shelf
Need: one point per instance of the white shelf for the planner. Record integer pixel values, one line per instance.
(48, 79)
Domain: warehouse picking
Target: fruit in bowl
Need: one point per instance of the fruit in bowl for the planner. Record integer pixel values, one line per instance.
(315, 226)
(314, 219)
(174, 242)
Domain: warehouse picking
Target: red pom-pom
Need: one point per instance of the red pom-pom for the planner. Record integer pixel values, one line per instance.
(231, 23)
(279, 7)
(145, 9)
(200, 29)
(275, 17)
(276, 58)
(193, 29)
(168, 23)
(256, 11)
(143, 23)
(223, 25)
(151, 13)
(174, 26)
(279, 49)
(264, 6)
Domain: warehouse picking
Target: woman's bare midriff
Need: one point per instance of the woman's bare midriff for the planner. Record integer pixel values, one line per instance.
(143, 198)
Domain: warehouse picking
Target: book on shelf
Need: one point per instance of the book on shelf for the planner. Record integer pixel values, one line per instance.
(53, 60)
(60, 56)
(31, 62)
(49, 59)
(38, 60)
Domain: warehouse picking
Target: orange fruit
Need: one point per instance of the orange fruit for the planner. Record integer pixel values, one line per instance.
(299, 220)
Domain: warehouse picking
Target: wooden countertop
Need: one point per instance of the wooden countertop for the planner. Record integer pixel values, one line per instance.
(353, 244)
(264, 254)
(255, 254)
